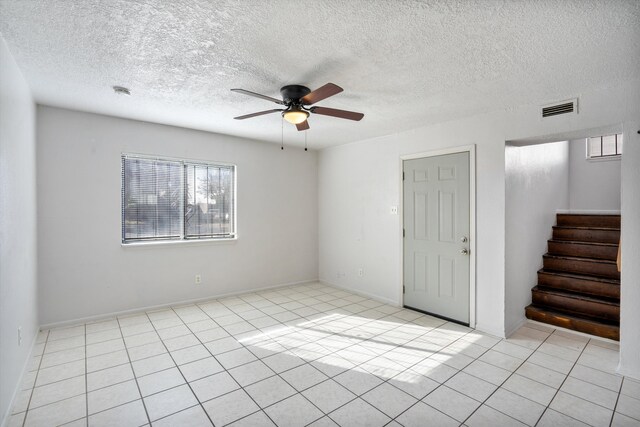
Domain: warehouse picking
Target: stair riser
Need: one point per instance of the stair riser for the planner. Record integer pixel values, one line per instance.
(586, 235)
(611, 221)
(586, 308)
(604, 331)
(583, 250)
(588, 287)
(582, 267)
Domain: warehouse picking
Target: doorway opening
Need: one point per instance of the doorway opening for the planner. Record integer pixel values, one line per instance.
(562, 228)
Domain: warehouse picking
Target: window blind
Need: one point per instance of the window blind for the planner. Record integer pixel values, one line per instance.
(209, 201)
(174, 199)
(604, 146)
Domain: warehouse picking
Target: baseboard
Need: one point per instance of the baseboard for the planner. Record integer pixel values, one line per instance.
(517, 326)
(588, 211)
(622, 370)
(113, 314)
(361, 293)
(489, 330)
(572, 332)
(16, 390)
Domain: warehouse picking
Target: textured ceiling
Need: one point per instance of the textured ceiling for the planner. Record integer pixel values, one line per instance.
(403, 63)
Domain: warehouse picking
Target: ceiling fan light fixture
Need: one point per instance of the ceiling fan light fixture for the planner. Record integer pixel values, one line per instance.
(295, 116)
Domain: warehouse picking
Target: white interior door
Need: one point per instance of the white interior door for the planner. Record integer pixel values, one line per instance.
(436, 235)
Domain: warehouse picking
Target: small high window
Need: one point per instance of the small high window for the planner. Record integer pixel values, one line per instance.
(169, 199)
(604, 146)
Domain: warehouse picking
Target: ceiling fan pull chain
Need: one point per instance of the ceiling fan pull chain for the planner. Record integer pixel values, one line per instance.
(282, 134)
(305, 140)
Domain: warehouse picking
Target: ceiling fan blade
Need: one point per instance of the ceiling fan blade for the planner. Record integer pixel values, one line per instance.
(303, 126)
(260, 113)
(321, 93)
(343, 114)
(257, 95)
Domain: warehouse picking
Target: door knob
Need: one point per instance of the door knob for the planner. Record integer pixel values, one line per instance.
(464, 239)
(464, 251)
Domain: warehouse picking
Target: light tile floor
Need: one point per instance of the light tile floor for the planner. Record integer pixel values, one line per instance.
(315, 355)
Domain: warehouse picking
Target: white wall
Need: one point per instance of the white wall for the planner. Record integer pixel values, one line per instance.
(18, 274)
(593, 184)
(84, 270)
(630, 274)
(359, 182)
(537, 185)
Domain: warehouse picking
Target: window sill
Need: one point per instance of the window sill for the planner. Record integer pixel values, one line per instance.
(166, 243)
(605, 159)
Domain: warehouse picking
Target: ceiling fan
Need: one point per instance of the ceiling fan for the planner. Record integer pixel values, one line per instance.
(296, 98)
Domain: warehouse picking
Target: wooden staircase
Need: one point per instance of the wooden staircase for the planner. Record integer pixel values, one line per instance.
(579, 284)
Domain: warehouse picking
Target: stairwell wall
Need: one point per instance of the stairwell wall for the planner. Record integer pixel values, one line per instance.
(630, 274)
(536, 186)
(594, 185)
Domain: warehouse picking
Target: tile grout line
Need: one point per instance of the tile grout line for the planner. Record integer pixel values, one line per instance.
(142, 313)
(260, 409)
(313, 322)
(615, 406)
(140, 333)
(214, 322)
(507, 379)
(566, 376)
(588, 382)
(443, 384)
(86, 376)
(486, 349)
(561, 384)
(275, 374)
(332, 334)
(146, 411)
(369, 373)
(295, 355)
(332, 352)
(176, 366)
(26, 411)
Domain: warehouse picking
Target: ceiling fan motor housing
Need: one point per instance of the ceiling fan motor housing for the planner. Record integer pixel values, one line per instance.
(293, 93)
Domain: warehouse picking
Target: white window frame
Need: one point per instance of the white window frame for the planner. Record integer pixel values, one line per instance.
(608, 157)
(182, 240)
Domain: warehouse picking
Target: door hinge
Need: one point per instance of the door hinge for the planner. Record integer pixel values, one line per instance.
(403, 176)
(404, 290)
(403, 233)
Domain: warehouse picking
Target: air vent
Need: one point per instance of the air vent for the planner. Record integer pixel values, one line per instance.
(564, 107)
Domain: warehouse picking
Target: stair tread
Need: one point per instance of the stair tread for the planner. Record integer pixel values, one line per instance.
(581, 227)
(575, 258)
(577, 295)
(581, 276)
(591, 320)
(579, 284)
(588, 214)
(582, 242)
(586, 220)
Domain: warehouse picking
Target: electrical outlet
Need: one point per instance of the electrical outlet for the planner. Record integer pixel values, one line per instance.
(198, 279)
(360, 272)
(394, 210)
(19, 336)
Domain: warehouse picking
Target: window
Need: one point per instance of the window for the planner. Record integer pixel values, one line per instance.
(165, 199)
(604, 146)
